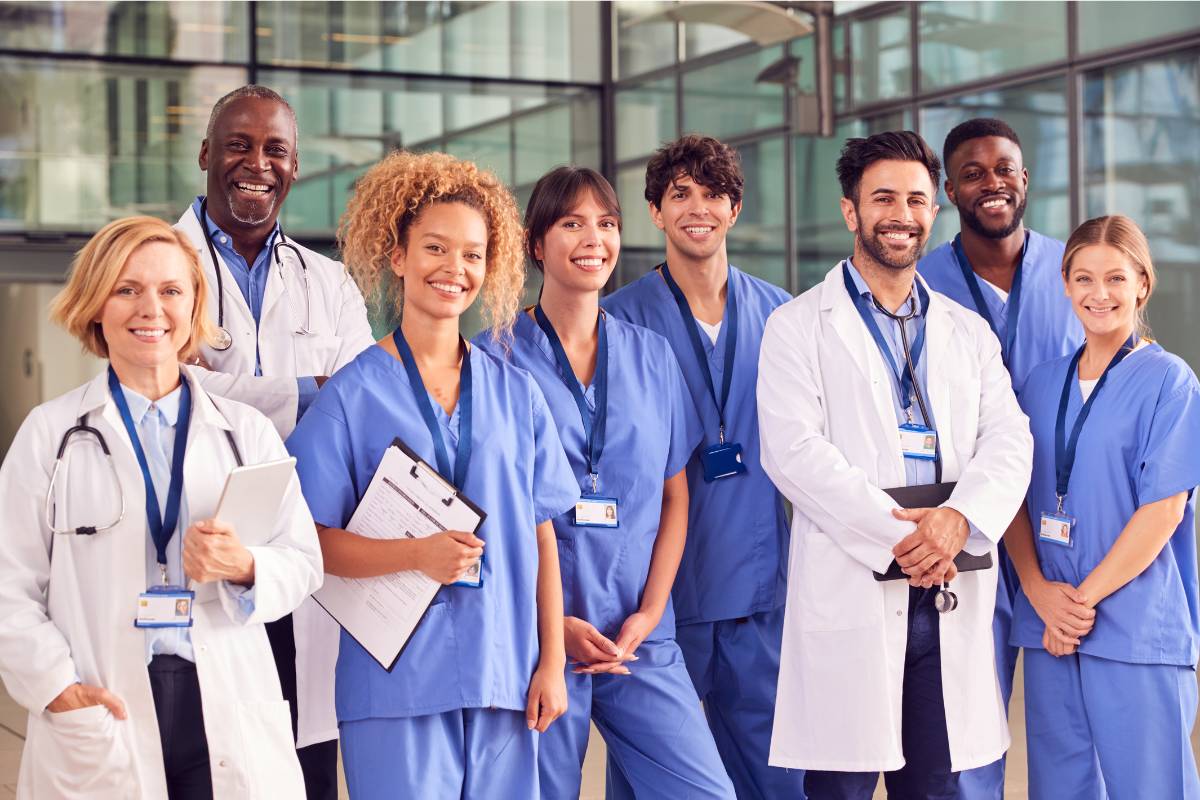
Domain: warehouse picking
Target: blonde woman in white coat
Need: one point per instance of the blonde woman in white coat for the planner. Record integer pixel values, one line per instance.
(116, 710)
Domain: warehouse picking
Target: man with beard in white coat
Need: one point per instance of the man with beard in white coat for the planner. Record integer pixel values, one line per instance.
(287, 318)
(868, 382)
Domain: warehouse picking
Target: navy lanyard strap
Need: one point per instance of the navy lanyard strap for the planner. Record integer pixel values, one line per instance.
(1014, 296)
(731, 327)
(904, 377)
(462, 454)
(593, 429)
(1064, 449)
(162, 525)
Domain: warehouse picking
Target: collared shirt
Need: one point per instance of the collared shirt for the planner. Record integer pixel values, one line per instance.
(155, 423)
(251, 279)
(917, 471)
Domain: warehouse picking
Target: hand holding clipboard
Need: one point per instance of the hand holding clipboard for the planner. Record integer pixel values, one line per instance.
(929, 496)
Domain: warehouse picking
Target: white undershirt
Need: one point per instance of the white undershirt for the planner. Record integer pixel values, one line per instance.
(1003, 295)
(1087, 387)
(711, 331)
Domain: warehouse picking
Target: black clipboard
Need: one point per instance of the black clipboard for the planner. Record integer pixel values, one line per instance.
(452, 493)
(930, 495)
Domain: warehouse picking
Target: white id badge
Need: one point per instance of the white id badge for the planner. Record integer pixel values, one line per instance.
(596, 512)
(917, 441)
(1056, 528)
(473, 577)
(165, 607)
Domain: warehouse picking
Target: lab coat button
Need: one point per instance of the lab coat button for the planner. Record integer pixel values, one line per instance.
(899, 613)
(221, 763)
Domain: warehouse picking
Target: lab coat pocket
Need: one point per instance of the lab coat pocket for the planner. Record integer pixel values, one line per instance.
(81, 753)
(270, 754)
(836, 592)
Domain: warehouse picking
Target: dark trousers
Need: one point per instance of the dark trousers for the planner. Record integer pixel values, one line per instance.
(926, 772)
(318, 762)
(181, 727)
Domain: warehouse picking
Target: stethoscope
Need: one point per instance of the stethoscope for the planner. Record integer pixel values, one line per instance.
(82, 428)
(945, 600)
(224, 339)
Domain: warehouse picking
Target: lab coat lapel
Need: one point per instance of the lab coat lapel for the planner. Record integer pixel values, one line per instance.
(235, 303)
(939, 358)
(275, 289)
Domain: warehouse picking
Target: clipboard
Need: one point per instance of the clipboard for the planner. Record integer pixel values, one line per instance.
(930, 495)
(406, 498)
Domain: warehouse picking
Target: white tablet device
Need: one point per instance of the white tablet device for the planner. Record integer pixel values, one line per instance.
(251, 498)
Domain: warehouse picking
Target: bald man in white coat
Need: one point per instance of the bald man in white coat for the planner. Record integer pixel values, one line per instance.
(872, 678)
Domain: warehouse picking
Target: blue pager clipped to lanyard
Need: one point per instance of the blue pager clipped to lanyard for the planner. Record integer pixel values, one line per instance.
(723, 459)
(593, 510)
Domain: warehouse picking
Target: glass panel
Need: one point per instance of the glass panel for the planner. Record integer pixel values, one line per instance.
(201, 31)
(700, 39)
(821, 236)
(757, 243)
(882, 67)
(532, 40)
(349, 122)
(841, 69)
(725, 99)
(1038, 113)
(115, 141)
(645, 118)
(1112, 24)
(637, 229)
(642, 46)
(1141, 126)
(967, 41)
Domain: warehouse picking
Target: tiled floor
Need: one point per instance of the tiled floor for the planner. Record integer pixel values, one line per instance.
(12, 731)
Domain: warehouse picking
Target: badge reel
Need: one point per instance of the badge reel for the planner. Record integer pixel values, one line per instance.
(165, 606)
(594, 511)
(1056, 526)
(722, 460)
(945, 600)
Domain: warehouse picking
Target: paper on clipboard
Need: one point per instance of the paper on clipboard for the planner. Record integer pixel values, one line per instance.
(406, 498)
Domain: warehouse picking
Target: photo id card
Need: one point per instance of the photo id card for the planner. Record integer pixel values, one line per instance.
(917, 441)
(593, 511)
(722, 461)
(1056, 528)
(473, 577)
(165, 607)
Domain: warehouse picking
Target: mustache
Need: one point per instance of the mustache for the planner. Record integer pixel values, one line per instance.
(915, 230)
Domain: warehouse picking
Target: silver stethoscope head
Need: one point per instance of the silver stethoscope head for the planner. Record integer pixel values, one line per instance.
(68, 441)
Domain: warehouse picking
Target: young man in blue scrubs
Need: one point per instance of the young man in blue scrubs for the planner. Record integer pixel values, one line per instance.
(287, 317)
(729, 591)
(1010, 276)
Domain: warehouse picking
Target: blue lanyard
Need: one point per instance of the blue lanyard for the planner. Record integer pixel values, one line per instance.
(593, 430)
(1014, 296)
(462, 454)
(1064, 449)
(731, 327)
(162, 525)
(904, 378)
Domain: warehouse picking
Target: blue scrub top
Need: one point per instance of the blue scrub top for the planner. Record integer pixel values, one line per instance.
(1140, 444)
(652, 430)
(735, 562)
(475, 647)
(1046, 324)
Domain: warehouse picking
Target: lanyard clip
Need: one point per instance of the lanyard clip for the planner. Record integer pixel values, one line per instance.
(721, 433)
(1060, 503)
(594, 476)
(162, 571)
(908, 411)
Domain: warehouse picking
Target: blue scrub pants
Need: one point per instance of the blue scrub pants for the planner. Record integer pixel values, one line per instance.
(926, 772)
(464, 753)
(1107, 729)
(987, 782)
(734, 666)
(653, 727)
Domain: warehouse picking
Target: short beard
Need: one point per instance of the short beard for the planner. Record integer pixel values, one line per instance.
(973, 222)
(244, 220)
(882, 256)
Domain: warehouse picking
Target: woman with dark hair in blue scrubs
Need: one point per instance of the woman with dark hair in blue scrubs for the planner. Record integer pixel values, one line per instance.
(1108, 612)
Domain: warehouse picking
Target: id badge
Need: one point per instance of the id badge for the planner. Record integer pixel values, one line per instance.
(1056, 528)
(165, 607)
(473, 577)
(722, 461)
(917, 441)
(593, 511)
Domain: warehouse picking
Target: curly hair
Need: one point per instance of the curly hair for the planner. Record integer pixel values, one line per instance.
(393, 194)
(707, 161)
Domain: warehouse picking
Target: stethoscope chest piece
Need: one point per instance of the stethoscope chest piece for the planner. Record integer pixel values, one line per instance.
(222, 340)
(945, 600)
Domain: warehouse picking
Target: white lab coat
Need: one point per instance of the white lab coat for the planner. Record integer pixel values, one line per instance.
(829, 442)
(67, 604)
(339, 331)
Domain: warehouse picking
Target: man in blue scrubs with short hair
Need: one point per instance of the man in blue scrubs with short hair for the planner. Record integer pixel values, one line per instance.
(1012, 277)
(729, 590)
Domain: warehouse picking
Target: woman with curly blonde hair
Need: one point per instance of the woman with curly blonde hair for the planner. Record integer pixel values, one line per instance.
(430, 233)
